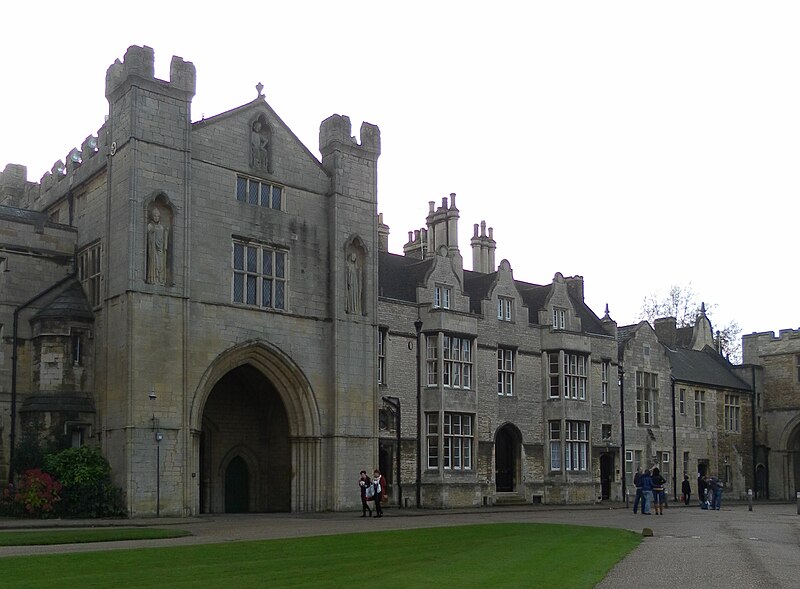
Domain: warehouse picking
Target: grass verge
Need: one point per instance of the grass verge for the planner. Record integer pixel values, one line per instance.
(492, 555)
(82, 535)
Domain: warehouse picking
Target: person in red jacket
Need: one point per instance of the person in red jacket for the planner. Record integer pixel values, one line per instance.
(379, 483)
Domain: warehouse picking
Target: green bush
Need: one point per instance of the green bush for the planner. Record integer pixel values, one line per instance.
(86, 478)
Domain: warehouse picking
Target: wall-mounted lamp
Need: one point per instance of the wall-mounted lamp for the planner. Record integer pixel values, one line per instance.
(152, 394)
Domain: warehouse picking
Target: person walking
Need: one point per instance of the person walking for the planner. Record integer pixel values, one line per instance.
(364, 483)
(647, 492)
(659, 496)
(379, 484)
(686, 489)
(637, 482)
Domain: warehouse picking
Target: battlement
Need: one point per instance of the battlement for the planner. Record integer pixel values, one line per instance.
(335, 131)
(766, 337)
(15, 190)
(766, 343)
(139, 64)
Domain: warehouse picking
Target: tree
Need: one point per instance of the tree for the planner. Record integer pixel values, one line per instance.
(683, 303)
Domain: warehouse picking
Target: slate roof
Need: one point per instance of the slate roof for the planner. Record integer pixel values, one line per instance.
(70, 304)
(399, 276)
(704, 367)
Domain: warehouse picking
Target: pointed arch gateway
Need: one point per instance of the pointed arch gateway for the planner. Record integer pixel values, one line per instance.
(254, 406)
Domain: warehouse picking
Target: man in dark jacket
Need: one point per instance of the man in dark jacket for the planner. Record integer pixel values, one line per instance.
(637, 482)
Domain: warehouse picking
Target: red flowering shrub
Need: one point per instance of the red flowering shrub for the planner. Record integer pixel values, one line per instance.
(37, 492)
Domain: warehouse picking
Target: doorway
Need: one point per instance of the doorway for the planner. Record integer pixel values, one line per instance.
(606, 474)
(237, 484)
(506, 459)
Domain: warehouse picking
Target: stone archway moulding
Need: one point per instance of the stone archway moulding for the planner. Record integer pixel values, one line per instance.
(288, 379)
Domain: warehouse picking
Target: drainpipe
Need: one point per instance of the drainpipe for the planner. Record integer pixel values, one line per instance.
(15, 332)
(418, 328)
(674, 444)
(621, 373)
(754, 408)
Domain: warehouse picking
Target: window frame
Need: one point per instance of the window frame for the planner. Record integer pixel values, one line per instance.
(244, 192)
(682, 401)
(254, 272)
(605, 371)
(381, 349)
(505, 307)
(699, 409)
(90, 273)
(458, 438)
(646, 397)
(554, 437)
(732, 411)
(576, 446)
(505, 371)
(442, 296)
(457, 364)
(559, 318)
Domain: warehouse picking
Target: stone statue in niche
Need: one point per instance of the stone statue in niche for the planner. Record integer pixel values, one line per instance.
(157, 245)
(354, 284)
(260, 144)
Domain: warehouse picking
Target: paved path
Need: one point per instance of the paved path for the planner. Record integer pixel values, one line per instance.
(731, 548)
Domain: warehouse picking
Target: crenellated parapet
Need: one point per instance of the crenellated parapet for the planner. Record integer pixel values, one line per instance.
(138, 65)
(766, 343)
(335, 133)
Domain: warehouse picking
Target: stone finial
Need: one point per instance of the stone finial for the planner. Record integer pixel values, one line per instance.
(259, 88)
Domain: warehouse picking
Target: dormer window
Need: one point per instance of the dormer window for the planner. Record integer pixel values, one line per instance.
(441, 297)
(504, 309)
(559, 318)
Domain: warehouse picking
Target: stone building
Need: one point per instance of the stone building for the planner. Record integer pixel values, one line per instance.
(687, 409)
(774, 365)
(516, 380)
(217, 309)
(231, 278)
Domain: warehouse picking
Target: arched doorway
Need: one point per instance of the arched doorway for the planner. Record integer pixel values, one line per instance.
(254, 401)
(237, 486)
(793, 454)
(506, 458)
(245, 448)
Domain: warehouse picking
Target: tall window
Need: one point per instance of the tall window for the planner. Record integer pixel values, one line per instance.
(555, 374)
(432, 359)
(505, 371)
(381, 356)
(646, 394)
(256, 192)
(89, 273)
(682, 401)
(76, 343)
(574, 376)
(732, 413)
(629, 469)
(577, 445)
(699, 408)
(664, 460)
(259, 275)
(555, 445)
(432, 431)
(605, 370)
(457, 441)
(559, 318)
(457, 362)
(503, 309)
(686, 464)
(441, 297)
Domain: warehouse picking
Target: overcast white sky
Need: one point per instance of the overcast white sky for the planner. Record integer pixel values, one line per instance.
(638, 144)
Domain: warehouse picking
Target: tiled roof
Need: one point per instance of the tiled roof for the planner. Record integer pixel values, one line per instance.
(399, 276)
(70, 304)
(705, 367)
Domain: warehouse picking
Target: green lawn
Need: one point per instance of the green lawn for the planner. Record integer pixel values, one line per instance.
(81, 536)
(490, 556)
